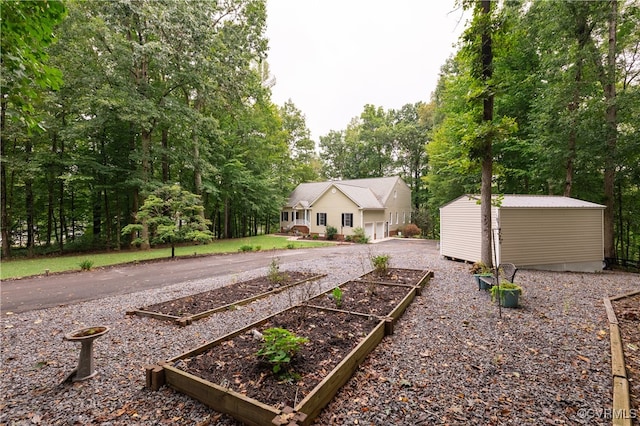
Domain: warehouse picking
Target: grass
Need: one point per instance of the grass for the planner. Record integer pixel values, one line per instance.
(21, 268)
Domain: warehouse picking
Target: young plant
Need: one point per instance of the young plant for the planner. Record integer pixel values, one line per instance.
(279, 347)
(381, 264)
(274, 275)
(504, 287)
(337, 296)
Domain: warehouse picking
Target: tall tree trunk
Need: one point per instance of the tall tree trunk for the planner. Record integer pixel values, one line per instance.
(146, 171)
(486, 152)
(4, 210)
(30, 209)
(612, 135)
(165, 156)
(227, 219)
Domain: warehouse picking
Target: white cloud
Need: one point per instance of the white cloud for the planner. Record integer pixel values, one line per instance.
(331, 57)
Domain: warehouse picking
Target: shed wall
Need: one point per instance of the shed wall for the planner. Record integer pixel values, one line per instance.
(546, 236)
(460, 230)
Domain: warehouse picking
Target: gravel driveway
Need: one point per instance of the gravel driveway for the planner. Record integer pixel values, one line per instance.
(452, 360)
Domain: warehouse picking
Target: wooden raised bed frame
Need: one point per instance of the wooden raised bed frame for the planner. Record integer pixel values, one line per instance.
(188, 319)
(253, 412)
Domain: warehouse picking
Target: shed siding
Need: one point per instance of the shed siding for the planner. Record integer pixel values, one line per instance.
(460, 230)
(543, 236)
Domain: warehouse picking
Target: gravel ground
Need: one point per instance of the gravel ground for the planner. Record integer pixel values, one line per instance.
(452, 360)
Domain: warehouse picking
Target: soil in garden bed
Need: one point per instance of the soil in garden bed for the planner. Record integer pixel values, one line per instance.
(202, 302)
(628, 314)
(234, 364)
(365, 297)
(395, 276)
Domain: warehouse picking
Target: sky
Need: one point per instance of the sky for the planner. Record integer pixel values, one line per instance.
(332, 57)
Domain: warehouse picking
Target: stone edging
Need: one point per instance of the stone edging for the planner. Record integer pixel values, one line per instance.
(621, 399)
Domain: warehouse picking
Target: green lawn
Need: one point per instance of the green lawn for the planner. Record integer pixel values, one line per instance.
(28, 267)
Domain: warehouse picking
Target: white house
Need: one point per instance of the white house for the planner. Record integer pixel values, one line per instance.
(531, 231)
(380, 206)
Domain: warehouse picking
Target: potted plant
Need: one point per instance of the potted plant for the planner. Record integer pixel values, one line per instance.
(480, 269)
(509, 294)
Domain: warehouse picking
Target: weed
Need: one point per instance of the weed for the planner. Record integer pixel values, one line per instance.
(86, 265)
(279, 346)
(274, 275)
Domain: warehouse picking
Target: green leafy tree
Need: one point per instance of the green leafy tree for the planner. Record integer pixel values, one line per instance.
(173, 216)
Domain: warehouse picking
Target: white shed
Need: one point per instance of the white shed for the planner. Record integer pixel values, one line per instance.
(532, 231)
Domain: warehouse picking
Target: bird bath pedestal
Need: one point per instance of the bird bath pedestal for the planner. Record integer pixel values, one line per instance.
(85, 336)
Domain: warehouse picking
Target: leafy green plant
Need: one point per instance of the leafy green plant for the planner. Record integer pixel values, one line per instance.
(381, 263)
(279, 346)
(359, 236)
(502, 288)
(86, 265)
(331, 232)
(246, 248)
(337, 296)
(291, 246)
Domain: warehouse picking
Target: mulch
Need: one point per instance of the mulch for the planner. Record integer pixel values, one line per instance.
(202, 302)
(628, 314)
(235, 365)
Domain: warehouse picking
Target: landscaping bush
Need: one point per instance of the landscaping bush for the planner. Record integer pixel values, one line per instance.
(359, 236)
(411, 230)
(331, 233)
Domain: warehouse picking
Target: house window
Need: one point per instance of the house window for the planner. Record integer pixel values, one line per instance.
(321, 218)
(390, 218)
(397, 218)
(347, 219)
(284, 217)
(404, 217)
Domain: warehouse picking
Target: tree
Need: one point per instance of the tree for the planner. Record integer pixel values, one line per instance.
(27, 29)
(173, 216)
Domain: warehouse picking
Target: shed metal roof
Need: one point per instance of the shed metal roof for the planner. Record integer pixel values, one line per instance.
(539, 201)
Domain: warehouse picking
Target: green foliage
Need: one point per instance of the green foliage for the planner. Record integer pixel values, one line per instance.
(279, 347)
(86, 265)
(173, 215)
(381, 264)
(359, 236)
(505, 286)
(332, 231)
(245, 248)
(336, 293)
(480, 268)
(291, 246)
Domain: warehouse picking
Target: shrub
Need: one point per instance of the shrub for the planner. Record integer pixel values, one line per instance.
(411, 230)
(359, 236)
(315, 237)
(246, 247)
(381, 263)
(279, 346)
(274, 275)
(291, 246)
(331, 232)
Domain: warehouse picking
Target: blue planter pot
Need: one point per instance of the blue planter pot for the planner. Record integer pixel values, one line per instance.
(510, 298)
(481, 284)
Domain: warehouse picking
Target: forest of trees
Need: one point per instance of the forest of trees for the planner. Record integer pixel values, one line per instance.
(133, 96)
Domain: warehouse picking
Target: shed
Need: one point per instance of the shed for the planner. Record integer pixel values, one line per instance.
(531, 231)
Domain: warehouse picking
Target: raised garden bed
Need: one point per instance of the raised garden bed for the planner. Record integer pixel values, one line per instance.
(625, 353)
(185, 310)
(226, 374)
(400, 276)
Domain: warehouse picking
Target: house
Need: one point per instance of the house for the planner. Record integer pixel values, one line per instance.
(532, 231)
(380, 206)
